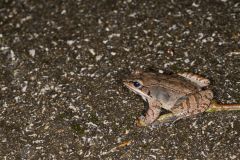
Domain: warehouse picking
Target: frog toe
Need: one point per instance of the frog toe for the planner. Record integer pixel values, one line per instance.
(140, 122)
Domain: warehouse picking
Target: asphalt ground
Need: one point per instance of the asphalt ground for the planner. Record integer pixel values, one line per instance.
(61, 66)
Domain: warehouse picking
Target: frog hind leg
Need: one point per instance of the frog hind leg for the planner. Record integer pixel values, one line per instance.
(197, 79)
(193, 104)
(214, 107)
(166, 119)
(189, 105)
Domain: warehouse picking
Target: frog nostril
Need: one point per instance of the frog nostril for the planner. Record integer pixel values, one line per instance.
(149, 93)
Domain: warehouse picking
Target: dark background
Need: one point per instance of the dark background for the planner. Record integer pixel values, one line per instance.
(61, 65)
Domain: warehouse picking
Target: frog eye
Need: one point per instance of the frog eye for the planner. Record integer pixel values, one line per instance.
(137, 84)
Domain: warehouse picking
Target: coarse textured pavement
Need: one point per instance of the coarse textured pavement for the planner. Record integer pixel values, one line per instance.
(61, 65)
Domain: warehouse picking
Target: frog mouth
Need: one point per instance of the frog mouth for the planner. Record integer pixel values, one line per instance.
(136, 90)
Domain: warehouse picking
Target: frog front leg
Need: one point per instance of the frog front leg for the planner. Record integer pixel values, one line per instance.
(151, 115)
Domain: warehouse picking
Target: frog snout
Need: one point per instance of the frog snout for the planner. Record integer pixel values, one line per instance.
(125, 82)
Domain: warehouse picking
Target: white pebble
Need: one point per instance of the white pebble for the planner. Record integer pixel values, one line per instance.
(114, 35)
(24, 88)
(186, 60)
(113, 53)
(160, 71)
(12, 55)
(32, 52)
(92, 52)
(99, 57)
(70, 42)
(63, 11)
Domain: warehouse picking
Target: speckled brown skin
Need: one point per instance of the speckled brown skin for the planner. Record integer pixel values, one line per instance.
(193, 104)
(184, 95)
(199, 80)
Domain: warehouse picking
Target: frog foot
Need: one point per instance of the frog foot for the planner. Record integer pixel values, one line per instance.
(166, 118)
(140, 122)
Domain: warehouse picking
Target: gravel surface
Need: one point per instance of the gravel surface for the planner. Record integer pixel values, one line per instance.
(61, 65)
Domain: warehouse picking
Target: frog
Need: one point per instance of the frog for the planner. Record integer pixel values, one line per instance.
(182, 95)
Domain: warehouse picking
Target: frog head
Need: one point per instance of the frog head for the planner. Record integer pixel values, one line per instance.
(138, 82)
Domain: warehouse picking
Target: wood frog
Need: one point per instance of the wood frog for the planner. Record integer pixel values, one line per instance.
(183, 95)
